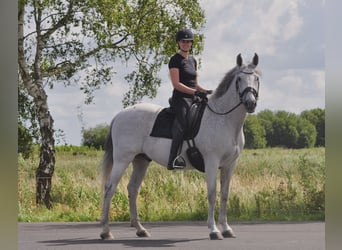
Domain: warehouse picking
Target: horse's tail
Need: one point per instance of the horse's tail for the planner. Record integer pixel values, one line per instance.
(107, 159)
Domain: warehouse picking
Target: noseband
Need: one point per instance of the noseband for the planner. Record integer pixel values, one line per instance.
(241, 94)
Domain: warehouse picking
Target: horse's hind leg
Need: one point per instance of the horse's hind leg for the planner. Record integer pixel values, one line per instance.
(140, 164)
(110, 187)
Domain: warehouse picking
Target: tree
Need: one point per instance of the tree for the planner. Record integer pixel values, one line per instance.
(78, 42)
(289, 130)
(286, 128)
(95, 137)
(307, 134)
(254, 133)
(317, 118)
(266, 119)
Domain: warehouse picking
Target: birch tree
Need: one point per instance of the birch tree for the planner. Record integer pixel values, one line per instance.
(77, 42)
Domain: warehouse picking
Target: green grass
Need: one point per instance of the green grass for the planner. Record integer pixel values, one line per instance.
(268, 184)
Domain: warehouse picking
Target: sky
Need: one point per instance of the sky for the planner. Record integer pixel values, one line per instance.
(288, 36)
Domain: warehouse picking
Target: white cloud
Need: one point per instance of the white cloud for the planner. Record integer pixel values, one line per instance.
(293, 90)
(274, 23)
(318, 82)
(246, 27)
(302, 83)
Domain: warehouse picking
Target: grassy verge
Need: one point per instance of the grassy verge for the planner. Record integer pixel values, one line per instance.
(268, 184)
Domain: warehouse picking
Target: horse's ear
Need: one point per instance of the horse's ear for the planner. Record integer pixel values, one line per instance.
(255, 59)
(239, 60)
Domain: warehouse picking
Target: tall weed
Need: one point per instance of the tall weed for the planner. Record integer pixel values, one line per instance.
(312, 180)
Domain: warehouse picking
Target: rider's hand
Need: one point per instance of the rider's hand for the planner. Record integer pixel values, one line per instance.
(201, 94)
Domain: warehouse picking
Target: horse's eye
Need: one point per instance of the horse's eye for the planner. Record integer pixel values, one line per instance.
(256, 78)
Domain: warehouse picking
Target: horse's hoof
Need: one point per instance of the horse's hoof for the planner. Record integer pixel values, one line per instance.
(143, 233)
(228, 234)
(216, 236)
(107, 236)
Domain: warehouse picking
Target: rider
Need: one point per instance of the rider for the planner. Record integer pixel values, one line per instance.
(183, 74)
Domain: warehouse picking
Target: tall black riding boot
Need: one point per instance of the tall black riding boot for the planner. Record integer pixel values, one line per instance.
(174, 162)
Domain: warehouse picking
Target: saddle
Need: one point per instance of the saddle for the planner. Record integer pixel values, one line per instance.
(163, 128)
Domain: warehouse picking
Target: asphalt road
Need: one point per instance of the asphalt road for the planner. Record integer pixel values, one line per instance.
(173, 235)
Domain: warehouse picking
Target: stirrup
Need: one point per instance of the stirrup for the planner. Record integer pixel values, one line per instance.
(179, 162)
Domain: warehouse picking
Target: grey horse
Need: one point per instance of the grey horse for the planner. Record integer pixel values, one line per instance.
(220, 139)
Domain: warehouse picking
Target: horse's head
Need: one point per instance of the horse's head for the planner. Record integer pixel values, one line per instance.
(247, 82)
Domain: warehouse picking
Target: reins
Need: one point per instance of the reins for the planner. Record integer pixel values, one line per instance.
(225, 113)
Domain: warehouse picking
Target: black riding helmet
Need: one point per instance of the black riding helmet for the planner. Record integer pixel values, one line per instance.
(184, 34)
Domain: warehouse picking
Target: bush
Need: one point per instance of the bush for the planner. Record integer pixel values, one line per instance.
(95, 137)
(317, 118)
(255, 134)
(312, 179)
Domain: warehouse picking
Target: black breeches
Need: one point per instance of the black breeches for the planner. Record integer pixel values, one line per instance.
(180, 108)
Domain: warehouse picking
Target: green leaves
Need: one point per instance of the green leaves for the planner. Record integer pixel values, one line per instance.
(76, 33)
(95, 137)
(284, 129)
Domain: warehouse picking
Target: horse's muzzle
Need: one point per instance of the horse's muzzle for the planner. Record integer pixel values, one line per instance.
(251, 108)
(250, 102)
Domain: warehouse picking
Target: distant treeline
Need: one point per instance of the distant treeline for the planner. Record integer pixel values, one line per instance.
(265, 129)
(284, 129)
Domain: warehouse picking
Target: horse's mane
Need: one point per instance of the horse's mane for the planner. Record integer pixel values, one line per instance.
(226, 82)
(228, 79)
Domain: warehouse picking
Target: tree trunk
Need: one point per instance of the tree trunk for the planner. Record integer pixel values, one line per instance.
(46, 166)
(34, 85)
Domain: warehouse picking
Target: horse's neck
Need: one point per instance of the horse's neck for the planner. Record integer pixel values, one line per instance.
(227, 102)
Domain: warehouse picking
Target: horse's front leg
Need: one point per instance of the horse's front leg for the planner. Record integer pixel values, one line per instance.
(215, 233)
(226, 174)
(140, 165)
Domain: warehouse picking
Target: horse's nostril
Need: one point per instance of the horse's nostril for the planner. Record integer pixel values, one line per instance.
(250, 106)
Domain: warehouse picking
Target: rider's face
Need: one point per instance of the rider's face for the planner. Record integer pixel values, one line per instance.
(185, 45)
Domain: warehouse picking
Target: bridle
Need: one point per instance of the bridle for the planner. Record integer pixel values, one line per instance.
(241, 94)
(248, 89)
